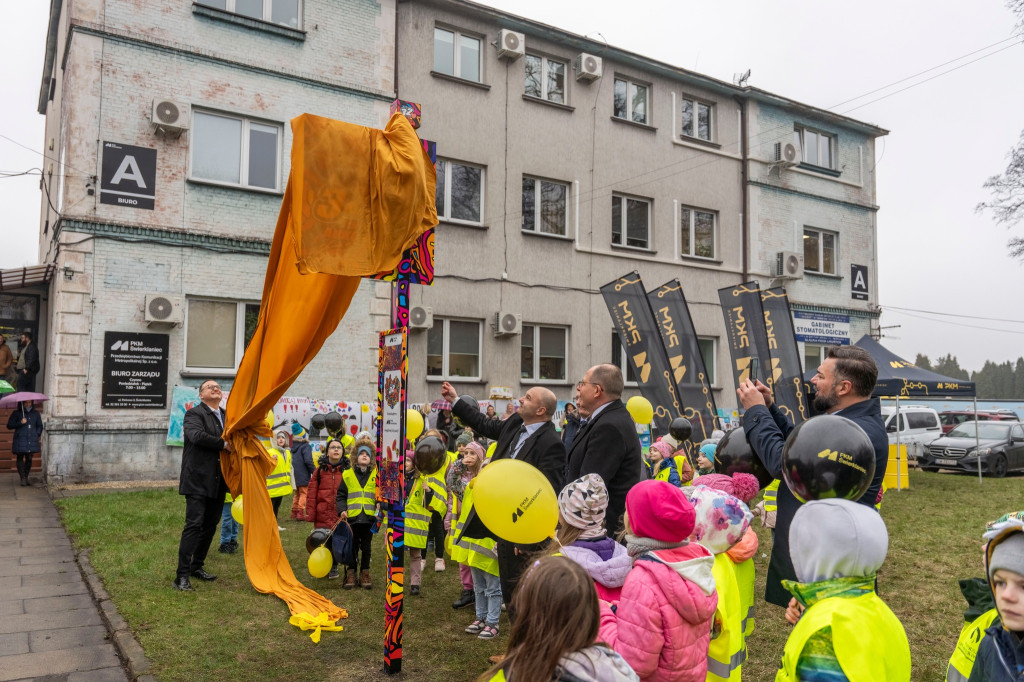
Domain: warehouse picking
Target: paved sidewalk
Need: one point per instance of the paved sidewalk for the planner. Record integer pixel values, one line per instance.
(50, 628)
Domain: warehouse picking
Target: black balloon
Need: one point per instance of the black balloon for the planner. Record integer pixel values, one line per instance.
(334, 422)
(828, 456)
(318, 537)
(733, 455)
(430, 455)
(472, 402)
(681, 429)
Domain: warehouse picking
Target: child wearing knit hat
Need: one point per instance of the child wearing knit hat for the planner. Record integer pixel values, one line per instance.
(1001, 652)
(666, 465)
(460, 473)
(662, 622)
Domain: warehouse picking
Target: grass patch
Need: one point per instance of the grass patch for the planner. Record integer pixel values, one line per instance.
(226, 630)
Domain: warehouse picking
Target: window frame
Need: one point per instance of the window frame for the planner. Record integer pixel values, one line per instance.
(625, 222)
(800, 135)
(691, 253)
(446, 216)
(535, 375)
(630, 83)
(240, 341)
(695, 103)
(446, 350)
(623, 362)
(821, 347)
(268, 12)
(821, 251)
(712, 366)
(243, 152)
(457, 57)
(544, 79)
(537, 206)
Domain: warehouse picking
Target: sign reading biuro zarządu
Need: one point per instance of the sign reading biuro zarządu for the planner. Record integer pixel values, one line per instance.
(129, 176)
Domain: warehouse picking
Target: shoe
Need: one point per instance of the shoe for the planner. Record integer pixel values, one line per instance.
(203, 575)
(414, 590)
(350, 579)
(182, 584)
(333, 575)
(234, 546)
(24, 480)
(475, 627)
(496, 659)
(488, 632)
(281, 528)
(438, 565)
(364, 580)
(225, 548)
(465, 599)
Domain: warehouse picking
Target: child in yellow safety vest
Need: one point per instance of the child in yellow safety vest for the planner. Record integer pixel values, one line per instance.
(460, 473)
(845, 631)
(356, 502)
(425, 493)
(668, 466)
(279, 480)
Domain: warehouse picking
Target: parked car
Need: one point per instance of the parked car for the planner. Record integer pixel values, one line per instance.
(999, 445)
(918, 426)
(952, 418)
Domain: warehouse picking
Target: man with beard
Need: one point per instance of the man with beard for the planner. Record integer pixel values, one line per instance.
(843, 385)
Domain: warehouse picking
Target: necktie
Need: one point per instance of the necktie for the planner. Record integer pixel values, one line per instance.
(520, 440)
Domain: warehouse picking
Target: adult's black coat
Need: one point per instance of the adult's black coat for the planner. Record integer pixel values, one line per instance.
(27, 377)
(570, 429)
(26, 436)
(609, 447)
(766, 430)
(200, 459)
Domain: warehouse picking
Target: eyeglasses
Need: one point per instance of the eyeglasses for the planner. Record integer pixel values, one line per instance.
(211, 387)
(580, 384)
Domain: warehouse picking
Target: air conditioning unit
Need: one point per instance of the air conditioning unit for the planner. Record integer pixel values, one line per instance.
(789, 265)
(169, 116)
(508, 324)
(787, 154)
(588, 67)
(421, 317)
(162, 309)
(511, 44)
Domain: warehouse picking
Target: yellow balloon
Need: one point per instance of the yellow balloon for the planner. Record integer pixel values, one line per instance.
(490, 449)
(347, 441)
(269, 419)
(413, 424)
(320, 562)
(236, 509)
(515, 501)
(640, 409)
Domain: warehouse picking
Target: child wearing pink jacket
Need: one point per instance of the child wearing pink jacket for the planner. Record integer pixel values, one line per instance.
(662, 622)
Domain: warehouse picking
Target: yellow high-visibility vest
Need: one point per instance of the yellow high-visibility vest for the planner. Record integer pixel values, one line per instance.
(771, 497)
(279, 481)
(475, 552)
(727, 650)
(360, 500)
(417, 513)
(960, 665)
(745, 581)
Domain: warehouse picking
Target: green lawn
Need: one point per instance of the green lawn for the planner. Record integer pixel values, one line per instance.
(227, 631)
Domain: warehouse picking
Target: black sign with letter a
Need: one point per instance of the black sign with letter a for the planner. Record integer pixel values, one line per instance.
(129, 176)
(859, 282)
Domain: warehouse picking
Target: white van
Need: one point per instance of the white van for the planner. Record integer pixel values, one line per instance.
(918, 425)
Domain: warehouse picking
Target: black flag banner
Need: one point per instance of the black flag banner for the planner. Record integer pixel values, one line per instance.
(638, 332)
(790, 391)
(748, 339)
(688, 371)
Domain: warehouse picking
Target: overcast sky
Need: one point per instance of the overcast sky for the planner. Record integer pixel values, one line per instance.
(948, 134)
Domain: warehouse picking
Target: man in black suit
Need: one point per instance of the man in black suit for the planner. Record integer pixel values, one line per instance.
(606, 444)
(28, 362)
(201, 483)
(529, 436)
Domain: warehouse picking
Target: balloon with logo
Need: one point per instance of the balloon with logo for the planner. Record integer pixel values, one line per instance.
(320, 562)
(236, 509)
(413, 424)
(640, 409)
(515, 501)
(828, 456)
(733, 455)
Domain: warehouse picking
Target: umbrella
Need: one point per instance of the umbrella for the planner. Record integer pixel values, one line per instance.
(5, 387)
(14, 399)
(441, 405)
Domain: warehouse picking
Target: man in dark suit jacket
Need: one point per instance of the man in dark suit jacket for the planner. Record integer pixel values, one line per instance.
(529, 436)
(606, 444)
(843, 384)
(201, 483)
(28, 362)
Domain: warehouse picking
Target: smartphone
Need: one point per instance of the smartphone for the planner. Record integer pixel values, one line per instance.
(753, 376)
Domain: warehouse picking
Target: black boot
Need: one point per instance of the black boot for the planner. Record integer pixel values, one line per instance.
(465, 599)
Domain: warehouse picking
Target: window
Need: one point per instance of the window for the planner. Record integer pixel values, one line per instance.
(817, 148)
(234, 150)
(284, 12)
(813, 355)
(217, 333)
(922, 420)
(631, 221)
(456, 54)
(820, 251)
(707, 353)
(698, 232)
(543, 353)
(630, 101)
(696, 118)
(453, 349)
(545, 79)
(460, 192)
(621, 360)
(544, 206)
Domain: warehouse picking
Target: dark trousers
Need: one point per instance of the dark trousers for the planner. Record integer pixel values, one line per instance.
(436, 533)
(362, 541)
(202, 514)
(26, 382)
(24, 463)
(510, 568)
(276, 502)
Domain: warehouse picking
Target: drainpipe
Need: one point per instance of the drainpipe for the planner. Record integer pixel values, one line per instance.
(745, 190)
(394, 77)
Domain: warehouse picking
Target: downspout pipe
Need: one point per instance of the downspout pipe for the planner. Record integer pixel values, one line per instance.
(744, 190)
(50, 55)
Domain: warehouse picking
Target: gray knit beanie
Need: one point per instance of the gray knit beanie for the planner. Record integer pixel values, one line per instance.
(1008, 555)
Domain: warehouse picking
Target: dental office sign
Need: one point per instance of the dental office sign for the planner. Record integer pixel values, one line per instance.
(833, 330)
(129, 176)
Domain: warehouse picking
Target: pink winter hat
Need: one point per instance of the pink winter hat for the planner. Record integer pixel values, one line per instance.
(663, 448)
(742, 486)
(658, 510)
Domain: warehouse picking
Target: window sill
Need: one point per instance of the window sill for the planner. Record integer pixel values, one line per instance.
(819, 169)
(459, 223)
(823, 275)
(241, 188)
(463, 81)
(556, 105)
(547, 382)
(208, 373)
(248, 22)
(686, 139)
(637, 249)
(456, 380)
(641, 126)
(545, 235)
(700, 259)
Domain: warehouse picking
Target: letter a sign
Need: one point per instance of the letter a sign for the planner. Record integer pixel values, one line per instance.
(859, 282)
(129, 176)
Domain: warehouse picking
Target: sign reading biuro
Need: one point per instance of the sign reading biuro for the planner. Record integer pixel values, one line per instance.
(129, 176)
(833, 330)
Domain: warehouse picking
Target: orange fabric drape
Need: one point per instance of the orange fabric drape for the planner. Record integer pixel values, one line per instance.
(355, 200)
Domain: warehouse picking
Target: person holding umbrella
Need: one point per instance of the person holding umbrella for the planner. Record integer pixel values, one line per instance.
(27, 426)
